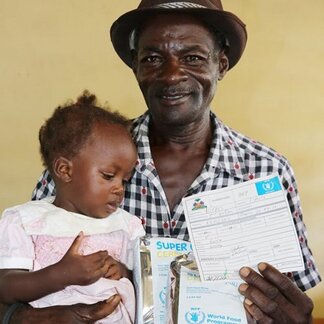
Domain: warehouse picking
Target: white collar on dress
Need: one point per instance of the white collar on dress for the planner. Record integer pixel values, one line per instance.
(42, 217)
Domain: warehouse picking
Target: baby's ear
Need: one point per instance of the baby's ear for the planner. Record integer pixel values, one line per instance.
(62, 168)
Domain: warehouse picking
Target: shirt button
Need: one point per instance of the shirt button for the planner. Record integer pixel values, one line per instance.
(237, 166)
(166, 225)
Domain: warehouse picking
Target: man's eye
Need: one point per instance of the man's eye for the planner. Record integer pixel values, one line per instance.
(193, 59)
(151, 59)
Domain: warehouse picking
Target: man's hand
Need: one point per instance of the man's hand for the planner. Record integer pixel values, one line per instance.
(273, 298)
(77, 269)
(73, 314)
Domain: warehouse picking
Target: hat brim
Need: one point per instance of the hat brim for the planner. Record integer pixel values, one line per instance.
(223, 21)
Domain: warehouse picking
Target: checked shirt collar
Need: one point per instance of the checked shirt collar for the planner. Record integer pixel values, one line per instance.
(224, 154)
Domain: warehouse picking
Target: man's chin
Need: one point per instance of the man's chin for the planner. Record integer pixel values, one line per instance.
(174, 120)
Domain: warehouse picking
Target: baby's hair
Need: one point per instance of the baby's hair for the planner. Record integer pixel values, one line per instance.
(68, 129)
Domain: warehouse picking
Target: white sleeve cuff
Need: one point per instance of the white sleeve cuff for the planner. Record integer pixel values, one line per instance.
(16, 263)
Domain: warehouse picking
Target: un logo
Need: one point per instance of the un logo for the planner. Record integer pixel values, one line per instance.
(268, 186)
(195, 316)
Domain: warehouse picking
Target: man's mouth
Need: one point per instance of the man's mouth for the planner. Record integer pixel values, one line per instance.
(174, 98)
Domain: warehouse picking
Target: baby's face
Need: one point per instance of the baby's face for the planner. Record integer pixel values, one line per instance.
(100, 171)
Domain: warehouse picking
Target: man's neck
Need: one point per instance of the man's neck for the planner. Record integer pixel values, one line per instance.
(196, 135)
(179, 154)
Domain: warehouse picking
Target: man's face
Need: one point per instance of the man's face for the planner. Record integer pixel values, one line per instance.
(177, 65)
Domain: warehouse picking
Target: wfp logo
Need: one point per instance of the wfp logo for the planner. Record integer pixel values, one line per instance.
(198, 204)
(195, 316)
(264, 187)
(268, 186)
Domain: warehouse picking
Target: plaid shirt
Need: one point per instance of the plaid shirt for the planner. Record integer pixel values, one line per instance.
(233, 158)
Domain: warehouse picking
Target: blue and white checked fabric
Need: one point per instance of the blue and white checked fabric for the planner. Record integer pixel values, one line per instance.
(233, 159)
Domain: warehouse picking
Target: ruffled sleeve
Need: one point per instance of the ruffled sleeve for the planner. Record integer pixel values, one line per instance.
(16, 247)
(135, 231)
(135, 228)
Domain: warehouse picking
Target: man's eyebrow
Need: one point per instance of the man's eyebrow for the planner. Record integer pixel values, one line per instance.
(194, 48)
(187, 48)
(150, 48)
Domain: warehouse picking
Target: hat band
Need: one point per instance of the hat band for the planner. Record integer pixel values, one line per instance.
(177, 5)
(169, 5)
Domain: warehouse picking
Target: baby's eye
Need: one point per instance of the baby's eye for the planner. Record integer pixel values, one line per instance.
(107, 176)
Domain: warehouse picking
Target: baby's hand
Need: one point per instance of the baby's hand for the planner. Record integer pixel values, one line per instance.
(77, 269)
(116, 270)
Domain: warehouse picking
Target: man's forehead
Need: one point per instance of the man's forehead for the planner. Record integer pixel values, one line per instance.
(174, 27)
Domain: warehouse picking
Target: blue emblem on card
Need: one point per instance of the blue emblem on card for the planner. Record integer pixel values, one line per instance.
(195, 316)
(267, 186)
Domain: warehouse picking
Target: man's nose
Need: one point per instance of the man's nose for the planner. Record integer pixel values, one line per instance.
(172, 72)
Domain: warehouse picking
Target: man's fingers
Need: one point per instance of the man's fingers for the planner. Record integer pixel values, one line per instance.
(255, 315)
(272, 294)
(102, 309)
(260, 306)
(286, 286)
(74, 248)
(263, 299)
(256, 280)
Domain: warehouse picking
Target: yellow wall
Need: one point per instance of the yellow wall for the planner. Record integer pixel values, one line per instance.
(52, 50)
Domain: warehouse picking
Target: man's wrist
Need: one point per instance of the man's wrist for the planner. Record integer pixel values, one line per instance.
(27, 314)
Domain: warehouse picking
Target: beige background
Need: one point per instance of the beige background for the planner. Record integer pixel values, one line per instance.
(52, 50)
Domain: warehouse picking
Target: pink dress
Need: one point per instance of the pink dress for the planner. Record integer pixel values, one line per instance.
(37, 234)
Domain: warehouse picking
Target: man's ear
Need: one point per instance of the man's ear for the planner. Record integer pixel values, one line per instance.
(62, 168)
(223, 65)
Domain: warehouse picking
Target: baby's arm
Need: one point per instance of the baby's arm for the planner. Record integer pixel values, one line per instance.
(73, 269)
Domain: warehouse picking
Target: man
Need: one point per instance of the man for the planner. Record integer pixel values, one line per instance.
(178, 52)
